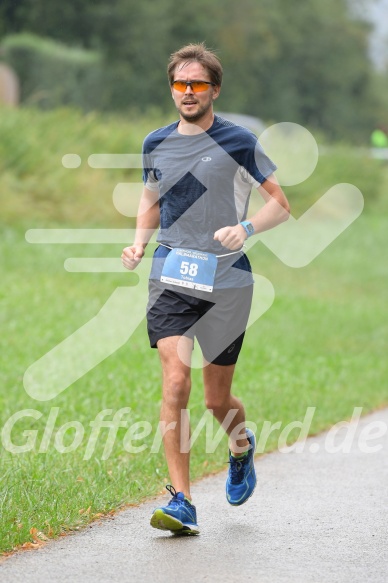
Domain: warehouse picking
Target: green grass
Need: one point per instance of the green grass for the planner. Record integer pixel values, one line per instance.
(322, 344)
(37, 189)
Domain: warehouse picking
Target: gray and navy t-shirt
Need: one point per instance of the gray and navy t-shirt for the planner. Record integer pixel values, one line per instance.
(204, 183)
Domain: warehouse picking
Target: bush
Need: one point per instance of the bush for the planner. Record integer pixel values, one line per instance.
(35, 188)
(52, 74)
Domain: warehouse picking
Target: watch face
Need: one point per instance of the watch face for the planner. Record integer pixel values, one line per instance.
(250, 228)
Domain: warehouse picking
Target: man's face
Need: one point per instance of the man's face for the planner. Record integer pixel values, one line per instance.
(193, 106)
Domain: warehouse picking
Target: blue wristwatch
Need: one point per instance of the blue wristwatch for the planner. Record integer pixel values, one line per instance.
(249, 229)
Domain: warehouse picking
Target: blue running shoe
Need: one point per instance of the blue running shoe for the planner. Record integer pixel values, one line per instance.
(179, 515)
(241, 480)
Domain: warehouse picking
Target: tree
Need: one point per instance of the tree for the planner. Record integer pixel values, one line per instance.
(305, 62)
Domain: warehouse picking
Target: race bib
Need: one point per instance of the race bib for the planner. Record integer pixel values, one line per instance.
(190, 268)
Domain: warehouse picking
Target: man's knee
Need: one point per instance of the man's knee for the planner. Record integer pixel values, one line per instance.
(176, 387)
(217, 403)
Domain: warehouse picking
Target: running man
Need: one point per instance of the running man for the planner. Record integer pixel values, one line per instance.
(198, 175)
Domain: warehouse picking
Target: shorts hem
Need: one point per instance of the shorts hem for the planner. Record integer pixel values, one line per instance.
(229, 363)
(167, 334)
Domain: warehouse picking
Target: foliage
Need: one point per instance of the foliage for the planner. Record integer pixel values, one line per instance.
(34, 184)
(35, 187)
(304, 62)
(53, 74)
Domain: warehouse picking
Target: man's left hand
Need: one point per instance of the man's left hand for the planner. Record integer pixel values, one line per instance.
(231, 237)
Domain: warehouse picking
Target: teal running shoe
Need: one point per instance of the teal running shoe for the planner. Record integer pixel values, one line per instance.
(179, 515)
(241, 480)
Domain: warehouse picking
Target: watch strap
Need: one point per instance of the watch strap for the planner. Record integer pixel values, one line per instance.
(248, 227)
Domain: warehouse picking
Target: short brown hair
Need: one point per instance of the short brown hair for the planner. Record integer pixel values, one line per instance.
(196, 52)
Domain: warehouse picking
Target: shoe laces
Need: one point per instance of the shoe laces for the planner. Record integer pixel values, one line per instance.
(176, 500)
(237, 469)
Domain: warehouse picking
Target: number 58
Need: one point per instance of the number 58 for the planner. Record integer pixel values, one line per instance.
(189, 268)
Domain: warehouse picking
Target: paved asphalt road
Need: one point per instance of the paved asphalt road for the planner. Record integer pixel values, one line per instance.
(315, 516)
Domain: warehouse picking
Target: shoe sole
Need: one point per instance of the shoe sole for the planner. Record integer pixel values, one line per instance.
(164, 521)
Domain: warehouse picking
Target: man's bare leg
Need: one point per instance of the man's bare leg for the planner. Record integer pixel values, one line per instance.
(218, 398)
(176, 392)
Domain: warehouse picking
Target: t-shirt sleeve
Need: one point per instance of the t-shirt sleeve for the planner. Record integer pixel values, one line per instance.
(255, 161)
(149, 177)
(264, 164)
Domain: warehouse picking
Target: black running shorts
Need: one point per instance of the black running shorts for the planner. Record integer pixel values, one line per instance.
(218, 320)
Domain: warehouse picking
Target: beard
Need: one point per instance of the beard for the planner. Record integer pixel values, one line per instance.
(196, 115)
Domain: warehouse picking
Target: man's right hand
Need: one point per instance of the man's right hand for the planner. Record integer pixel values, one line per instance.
(131, 256)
